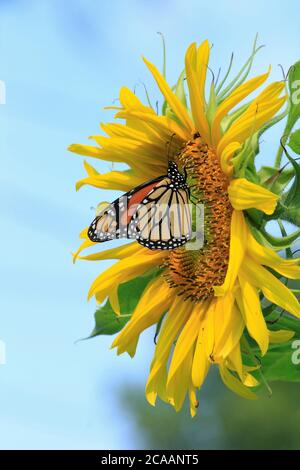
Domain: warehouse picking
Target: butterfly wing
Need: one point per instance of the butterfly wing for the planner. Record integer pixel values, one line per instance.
(114, 220)
(163, 220)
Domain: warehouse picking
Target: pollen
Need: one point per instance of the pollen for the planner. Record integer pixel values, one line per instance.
(194, 273)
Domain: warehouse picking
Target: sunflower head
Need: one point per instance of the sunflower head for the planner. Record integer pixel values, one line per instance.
(214, 304)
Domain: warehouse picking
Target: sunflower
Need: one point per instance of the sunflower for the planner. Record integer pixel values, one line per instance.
(206, 303)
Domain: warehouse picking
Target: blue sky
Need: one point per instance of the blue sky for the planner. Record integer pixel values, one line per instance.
(62, 62)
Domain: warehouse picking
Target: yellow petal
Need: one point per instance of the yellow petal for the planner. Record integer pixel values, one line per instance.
(236, 97)
(272, 288)
(157, 386)
(200, 364)
(187, 338)
(211, 324)
(194, 404)
(226, 157)
(91, 171)
(250, 381)
(86, 244)
(177, 316)
(235, 385)
(235, 359)
(162, 124)
(238, 238)
(229, 328)
(119, 252)
(286, 267)
(123, 271)
(129, 100)
(196, 86)
(280, 336)
(155, 301)
(174, 102)
(117, 180)
(179, 384)
(250, 307)
(244, 194)
(87, 150)
(203, 53)
(114, 300)
(261, 110)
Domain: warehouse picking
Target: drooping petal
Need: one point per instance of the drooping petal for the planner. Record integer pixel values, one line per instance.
(194, 403)
(201, 364)
(280, 336)
(229, 328)
(176, 318)
(178, 385)
(156, 386)
(187, 338)
(114, 300)
(235, 360)
(250, 307)
(274, 290)
(123, 271)
(244, 194)
(234, 384)
(289, 268)
(155, 301)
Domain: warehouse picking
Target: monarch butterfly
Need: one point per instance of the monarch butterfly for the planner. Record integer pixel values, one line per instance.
(156, 214)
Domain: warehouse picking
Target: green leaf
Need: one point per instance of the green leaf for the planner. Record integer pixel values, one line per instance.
(278, 363)
(107, 322)
(294, 142)
(179, 91)
(129, 293)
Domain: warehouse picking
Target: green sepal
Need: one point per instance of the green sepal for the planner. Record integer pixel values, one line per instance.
(276, 243)
(212, 104)
(179, 91)
(289, 207)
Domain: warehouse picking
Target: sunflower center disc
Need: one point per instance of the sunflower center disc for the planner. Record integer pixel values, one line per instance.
(194, 272)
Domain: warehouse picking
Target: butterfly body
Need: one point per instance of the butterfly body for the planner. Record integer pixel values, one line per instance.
(155, 213)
